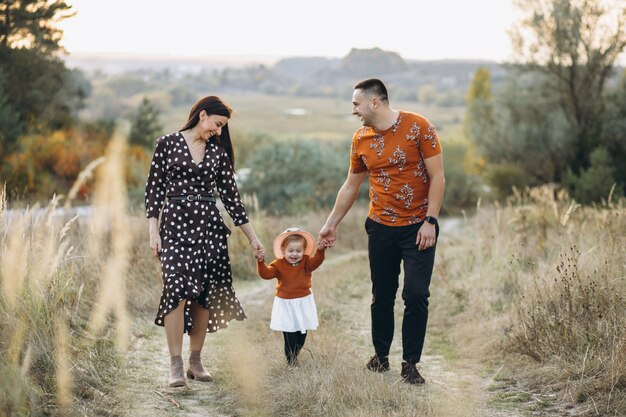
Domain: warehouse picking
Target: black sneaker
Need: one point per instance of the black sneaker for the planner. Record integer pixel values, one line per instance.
(378, 364)
(410, 374)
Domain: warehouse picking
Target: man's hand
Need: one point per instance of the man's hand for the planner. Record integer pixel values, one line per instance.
(426, 236)
(328, 236)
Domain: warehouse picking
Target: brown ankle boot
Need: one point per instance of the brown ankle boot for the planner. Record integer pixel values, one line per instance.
(177, 376)
(196, 370)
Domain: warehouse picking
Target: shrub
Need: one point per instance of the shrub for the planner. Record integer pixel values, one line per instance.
(462, 188)
(296, 176)
(594, 183)
(502, 178)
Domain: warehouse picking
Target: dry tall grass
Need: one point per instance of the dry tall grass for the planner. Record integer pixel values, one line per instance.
(52, 284)
(545, 279)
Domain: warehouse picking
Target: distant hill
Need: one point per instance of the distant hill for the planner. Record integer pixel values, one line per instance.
(445, 81)
(317, 74)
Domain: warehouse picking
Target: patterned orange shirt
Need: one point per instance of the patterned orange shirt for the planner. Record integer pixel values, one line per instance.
(394, 158)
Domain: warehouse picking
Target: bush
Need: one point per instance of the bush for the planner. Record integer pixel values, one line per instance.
(48, 163)
(462, 188)
(502, 178)
(296, 176)
(594, 183)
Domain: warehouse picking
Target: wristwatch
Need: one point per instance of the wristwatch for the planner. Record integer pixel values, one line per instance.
(431, 220)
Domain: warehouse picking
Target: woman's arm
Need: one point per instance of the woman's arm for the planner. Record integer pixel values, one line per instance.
(155, 239)
(254, 241)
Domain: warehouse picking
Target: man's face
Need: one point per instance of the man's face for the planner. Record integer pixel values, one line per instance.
(362, 106)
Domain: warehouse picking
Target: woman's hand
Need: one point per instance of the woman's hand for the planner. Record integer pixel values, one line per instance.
(155, 238)
(155, 244)
(257, 246)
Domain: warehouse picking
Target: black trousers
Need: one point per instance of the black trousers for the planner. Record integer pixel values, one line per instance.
(293, 343)
(389, 247)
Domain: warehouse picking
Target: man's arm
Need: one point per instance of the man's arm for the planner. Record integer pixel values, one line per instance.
(427, 235)
(346, 196)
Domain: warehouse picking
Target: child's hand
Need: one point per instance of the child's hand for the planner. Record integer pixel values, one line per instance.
(322, 245)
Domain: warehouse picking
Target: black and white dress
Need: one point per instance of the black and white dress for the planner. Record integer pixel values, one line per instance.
(194, 255)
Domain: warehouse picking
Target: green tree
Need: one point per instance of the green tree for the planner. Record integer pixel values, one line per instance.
(146, 126)
(38, 91)
(614, 134)
(575, 43)
(31, 24)
(41, 89)
(479, 106)
(556, 105)
(528, 129)
(9, 121)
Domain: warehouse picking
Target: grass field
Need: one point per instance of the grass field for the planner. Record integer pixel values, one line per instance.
(310, 117)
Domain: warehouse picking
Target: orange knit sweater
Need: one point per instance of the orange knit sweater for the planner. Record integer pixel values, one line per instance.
(293, 281)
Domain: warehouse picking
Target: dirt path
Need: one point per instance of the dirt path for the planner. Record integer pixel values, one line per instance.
(246, 358)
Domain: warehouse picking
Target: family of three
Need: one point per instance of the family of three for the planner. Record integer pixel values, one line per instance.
(401, 153)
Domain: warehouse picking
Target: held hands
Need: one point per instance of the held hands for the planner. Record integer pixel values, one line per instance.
(328, 236)
(257, 246)
(426, 236)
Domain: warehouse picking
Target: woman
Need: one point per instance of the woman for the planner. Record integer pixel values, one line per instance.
(198, 295)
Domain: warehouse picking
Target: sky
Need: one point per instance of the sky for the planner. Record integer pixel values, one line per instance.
(416, 29)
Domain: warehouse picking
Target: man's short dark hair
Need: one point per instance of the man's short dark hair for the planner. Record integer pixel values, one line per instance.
(374, 87)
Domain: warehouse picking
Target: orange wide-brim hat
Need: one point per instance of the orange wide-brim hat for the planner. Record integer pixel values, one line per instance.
(310, 241)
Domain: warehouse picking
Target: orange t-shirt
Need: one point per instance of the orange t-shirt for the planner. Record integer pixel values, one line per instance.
(394, 158)
(294, 281)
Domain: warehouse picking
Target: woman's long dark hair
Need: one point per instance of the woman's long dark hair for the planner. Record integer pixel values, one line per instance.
(213, 105)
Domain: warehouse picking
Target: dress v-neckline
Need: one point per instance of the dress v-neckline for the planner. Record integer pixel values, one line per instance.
(197, 164)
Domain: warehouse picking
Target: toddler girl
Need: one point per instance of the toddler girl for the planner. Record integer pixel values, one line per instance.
(294, 310)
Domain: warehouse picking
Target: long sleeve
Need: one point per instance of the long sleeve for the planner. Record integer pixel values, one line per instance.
(229, 194)
(266, 272)
(157, 180)
(316, 260)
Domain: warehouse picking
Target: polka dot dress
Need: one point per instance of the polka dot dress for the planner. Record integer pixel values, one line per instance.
(194, 255)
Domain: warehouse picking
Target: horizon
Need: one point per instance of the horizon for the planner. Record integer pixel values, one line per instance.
(242, 58)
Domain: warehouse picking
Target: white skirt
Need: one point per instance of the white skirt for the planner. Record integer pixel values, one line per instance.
(294, 314)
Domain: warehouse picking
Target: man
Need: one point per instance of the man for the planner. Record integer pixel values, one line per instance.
(402, 154)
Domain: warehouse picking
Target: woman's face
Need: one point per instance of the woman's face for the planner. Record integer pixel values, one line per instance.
(294, 251)
(211, 125)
